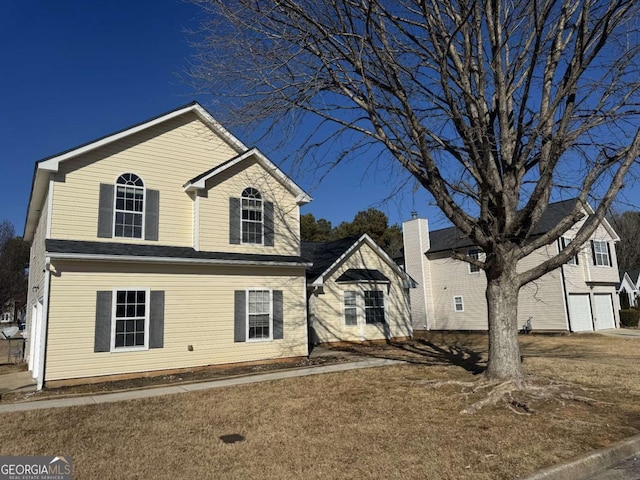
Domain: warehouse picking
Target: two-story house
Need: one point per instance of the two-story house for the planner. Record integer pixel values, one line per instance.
(164, 246)
(579, 296)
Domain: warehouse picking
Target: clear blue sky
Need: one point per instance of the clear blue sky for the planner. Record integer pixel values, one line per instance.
(73, 71)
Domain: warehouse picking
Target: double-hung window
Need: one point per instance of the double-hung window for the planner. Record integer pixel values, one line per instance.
(350, 308)
(374, 306)
(129, 206)
(564, 243)
(475, 254)
(601, 257)
(130, 323)
(252, 216)
(259, 315)
(458, 304)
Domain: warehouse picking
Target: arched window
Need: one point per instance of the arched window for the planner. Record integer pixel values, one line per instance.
(129, 211)
(252, 216)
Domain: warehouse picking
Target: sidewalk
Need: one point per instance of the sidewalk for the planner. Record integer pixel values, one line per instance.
(192, 387)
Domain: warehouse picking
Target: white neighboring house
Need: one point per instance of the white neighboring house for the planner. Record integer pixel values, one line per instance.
(579, 296)
(630, 285)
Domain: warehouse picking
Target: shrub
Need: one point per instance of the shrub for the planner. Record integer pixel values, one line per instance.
(629, 318)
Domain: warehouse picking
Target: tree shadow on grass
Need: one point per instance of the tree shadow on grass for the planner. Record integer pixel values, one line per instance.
(423, 352)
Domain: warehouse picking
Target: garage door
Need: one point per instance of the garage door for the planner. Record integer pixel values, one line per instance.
(604, 311)
(580, 311)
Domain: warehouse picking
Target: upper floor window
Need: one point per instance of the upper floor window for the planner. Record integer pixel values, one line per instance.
(601, 254)
(475, 254)
(564, 243)
(252, 216)
(129, 206)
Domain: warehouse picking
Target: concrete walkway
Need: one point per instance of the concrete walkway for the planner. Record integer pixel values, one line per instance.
(17, 382)
(193, 387)
(620, 332)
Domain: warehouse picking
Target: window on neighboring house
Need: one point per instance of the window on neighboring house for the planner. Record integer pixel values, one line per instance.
(564, 243)
(129, 206)
(350, 310)
(601, 256)
(374, 306)
(130, 320)
(475, 254)
(458, 306)
(259, 317)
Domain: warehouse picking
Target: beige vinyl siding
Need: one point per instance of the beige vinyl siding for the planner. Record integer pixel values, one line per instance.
(214, 211)
(451, 278)
(165, 156)
(542, 299)
(328, 308)
(199, 311)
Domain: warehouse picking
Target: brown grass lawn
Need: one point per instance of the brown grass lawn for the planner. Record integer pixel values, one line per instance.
(376, 423)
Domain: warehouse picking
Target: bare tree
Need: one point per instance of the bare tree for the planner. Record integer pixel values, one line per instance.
(627, 226)
(493, 106)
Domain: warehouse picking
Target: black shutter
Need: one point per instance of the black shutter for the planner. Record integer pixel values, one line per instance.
(240, 317)
(105, 211)
(609, 252)
(156, 319)
(151, 214)
(278, 327)
(269, 232)
(234, 221)
(593, 253)
(102, 339)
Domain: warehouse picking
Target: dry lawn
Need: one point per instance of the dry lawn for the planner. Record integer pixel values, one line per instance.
(376, 423)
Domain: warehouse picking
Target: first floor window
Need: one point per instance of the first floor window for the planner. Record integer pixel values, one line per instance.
(259, 314)
(130, 318)
(350, 310)
(374, 306)
(601, 254)
(458, 306)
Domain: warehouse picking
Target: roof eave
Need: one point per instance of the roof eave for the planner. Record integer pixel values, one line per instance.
(302, 197)
(172, 260)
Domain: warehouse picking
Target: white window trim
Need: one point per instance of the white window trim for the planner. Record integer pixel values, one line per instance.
(242, 242)
(355, 307)
(471, 272)
(605, 253)
(384, 306)
(147, 300)
(564, 242)
(144, 207)
(455, 304)
(246, 319)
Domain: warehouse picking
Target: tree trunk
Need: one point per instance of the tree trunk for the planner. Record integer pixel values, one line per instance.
(502, 304)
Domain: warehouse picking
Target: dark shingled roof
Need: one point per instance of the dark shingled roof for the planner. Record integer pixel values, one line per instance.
(362, 275)
(159, 251)
(633, 275)
(324, 254)
(452, 238)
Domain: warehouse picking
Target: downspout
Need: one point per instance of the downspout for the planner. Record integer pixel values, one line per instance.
(565, 299)
(44, 324)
